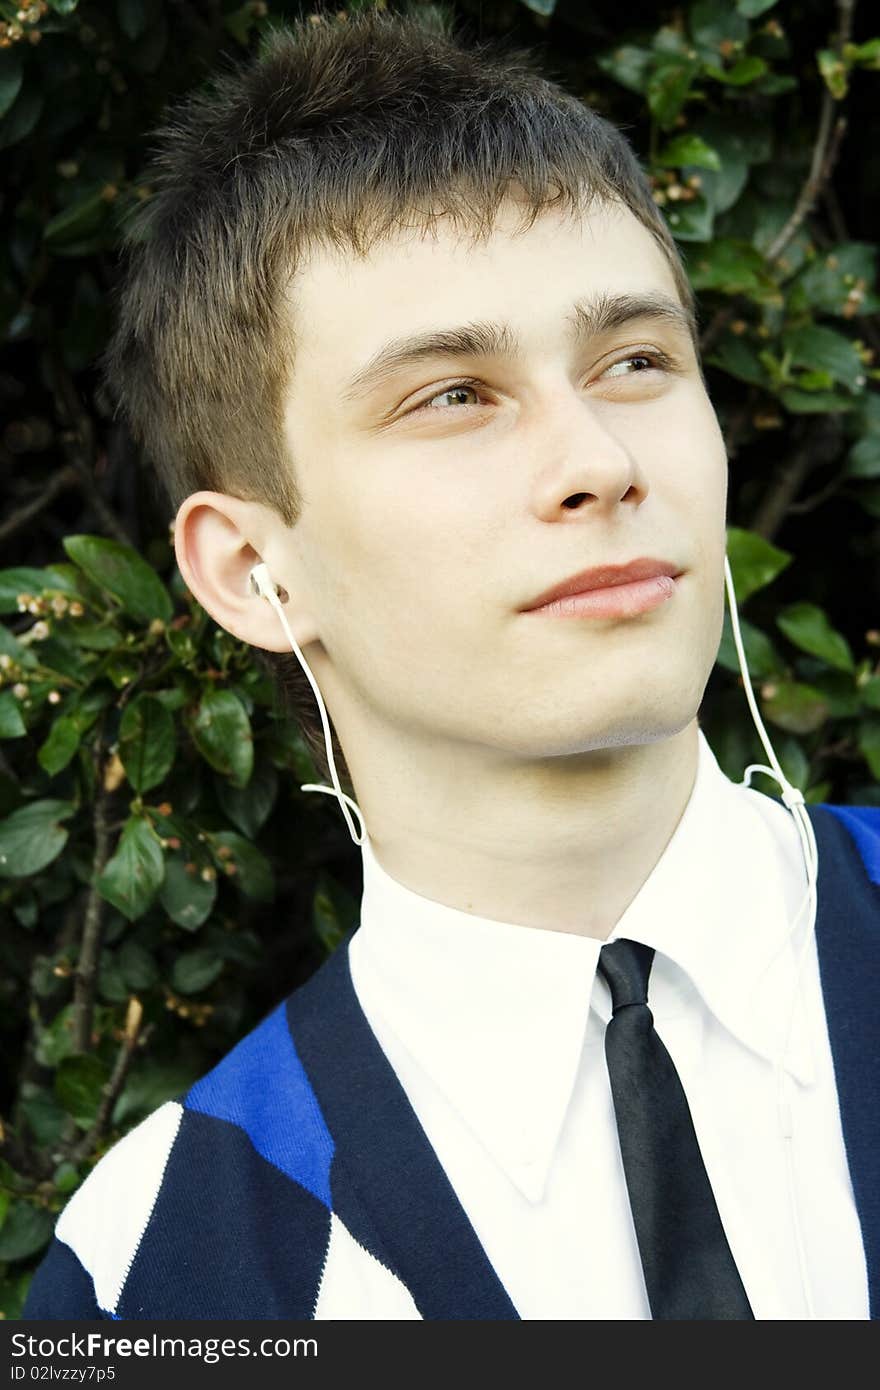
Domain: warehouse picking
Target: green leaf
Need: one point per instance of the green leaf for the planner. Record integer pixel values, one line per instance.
(668, 86)
(739, 137)
(814, 402)
(111, 984)
(288, 749)
(146, 742)
(734, 356)
(722, 189)
(713, 22)
(84, 709)
(794, 762)
(869, 745)
(66, 1178)
(795, 706)
(136, 966)
(44, 1116)
(121, 670)
(60, 746)
(134, 875)
(754, 562)
(187, 898)
(221, 731)
(82, 218)
(241, 947)
(334, 911)
(253, 872)
(740, 142)
(691, 221)
(863, 459)
(22, 116)
(9, 646)
(25, 1231)
(689, 149)
(752, 8)
(838, 688)
(79, 1082)
(11, 73)
(56, 1041)
(195, 970)
(628, 65)
(124, 574)
(835, 73)
(150, 1086)
(11, 723)
(815, 381)
(96, 637)
(249, 807)
(808, 627)
(745, 70)
(26, 579)
(762, 657)
(31, 837)
(733, 267)
(13, 1292)
(870, 692)
(865, 54)
(823, 349)
(839, 281)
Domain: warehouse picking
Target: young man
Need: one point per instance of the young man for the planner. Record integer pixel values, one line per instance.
(408, 330)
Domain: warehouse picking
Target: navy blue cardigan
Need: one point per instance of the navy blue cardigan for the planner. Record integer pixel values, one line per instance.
(295, 1181)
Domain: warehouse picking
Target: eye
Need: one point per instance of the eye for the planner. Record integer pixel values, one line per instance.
(458, 388)
(636, 362)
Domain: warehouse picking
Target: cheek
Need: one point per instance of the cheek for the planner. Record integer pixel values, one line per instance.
(395, 566)
(681, 448)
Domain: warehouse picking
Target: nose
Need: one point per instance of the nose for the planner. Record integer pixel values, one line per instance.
(587, 466)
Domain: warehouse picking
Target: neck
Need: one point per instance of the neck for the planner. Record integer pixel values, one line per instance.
(561, 843)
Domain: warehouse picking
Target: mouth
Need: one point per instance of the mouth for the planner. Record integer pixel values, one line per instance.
(613, 601)
(611, 591)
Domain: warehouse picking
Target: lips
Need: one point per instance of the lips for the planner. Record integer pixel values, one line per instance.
(605, 577)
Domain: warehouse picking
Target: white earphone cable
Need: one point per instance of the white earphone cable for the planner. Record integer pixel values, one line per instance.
(261, 583)
(794, 800)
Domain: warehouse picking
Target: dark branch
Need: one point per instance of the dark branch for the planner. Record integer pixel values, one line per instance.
(113, 1088)
(59, 482)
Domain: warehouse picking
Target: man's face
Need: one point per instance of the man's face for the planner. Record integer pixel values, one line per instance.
(445, 493)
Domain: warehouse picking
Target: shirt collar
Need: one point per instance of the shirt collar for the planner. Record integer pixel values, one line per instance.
(495, 1012)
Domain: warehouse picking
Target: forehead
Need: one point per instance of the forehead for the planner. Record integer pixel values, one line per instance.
(343, 307)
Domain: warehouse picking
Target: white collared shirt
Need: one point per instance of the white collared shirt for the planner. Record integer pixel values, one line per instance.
(496, 1032)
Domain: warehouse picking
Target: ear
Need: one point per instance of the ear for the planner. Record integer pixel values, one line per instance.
(217, 541)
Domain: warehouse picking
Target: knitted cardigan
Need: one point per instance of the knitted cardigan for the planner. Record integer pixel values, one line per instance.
(295, 1181)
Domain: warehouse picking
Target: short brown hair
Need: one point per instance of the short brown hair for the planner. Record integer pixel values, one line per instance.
(334, 131)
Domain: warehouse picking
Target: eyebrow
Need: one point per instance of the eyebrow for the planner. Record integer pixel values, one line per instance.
(588, 319)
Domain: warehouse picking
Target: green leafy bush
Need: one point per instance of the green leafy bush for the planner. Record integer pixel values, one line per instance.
(162, 879)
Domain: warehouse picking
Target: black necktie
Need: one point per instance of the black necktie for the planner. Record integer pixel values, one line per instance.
(689, 1270)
